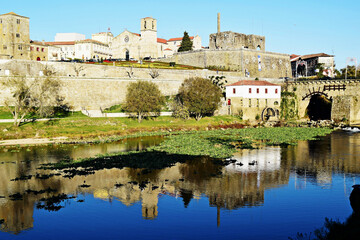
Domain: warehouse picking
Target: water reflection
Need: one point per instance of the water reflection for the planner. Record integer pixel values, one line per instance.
(242, 183)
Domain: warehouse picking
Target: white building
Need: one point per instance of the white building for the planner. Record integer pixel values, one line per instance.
(92, 49)
(69, 37)
(104, 37)
(66, 52)
(253, 89)
(254, 99)
(146, 44)
(175, 43)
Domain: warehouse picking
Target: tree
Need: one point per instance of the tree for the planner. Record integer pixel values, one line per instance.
(32, 96)
(186, 43)
(200, 96)
(143, 97)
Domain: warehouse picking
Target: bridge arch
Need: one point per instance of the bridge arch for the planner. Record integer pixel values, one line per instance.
(319, 107)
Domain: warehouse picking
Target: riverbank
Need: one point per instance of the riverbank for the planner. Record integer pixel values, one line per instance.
(95, 130)
(86, 129)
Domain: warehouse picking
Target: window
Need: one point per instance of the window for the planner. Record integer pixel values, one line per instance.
(18, 21)
(257, 102)
(266, 91)
(257, 90)
(31, 48)
(249, 102)
(234, 90)
(19, 47)
(0, 21)
(276, 103)
(266, 102)
(42, 49)
(4, 47)
(18, 35)
(241, 102)
(37, 49)
(249, 90)
(276, 91)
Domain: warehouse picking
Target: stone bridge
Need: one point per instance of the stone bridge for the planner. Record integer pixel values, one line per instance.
(327, 99)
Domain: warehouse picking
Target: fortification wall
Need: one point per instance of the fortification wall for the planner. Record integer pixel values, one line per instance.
(103, 86)
(62, 69)
(273, 65)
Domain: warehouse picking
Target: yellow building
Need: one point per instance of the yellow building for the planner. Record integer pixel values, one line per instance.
(14, 36)
(38, 51)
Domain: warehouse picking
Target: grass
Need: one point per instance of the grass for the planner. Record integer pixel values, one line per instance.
(84, 128)
(218, 144)
(5, 114)
(114, 109)
(223, 143)
(148, 64)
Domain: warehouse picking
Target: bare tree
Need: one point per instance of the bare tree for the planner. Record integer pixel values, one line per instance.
(32, 96)
(78, 68)
(154, 73)
(130, 72)
(20, 103)
(49, 70)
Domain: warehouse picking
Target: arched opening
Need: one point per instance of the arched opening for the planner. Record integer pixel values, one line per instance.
(38, 59)
(258, 48)
(319, 108)
(269, 114)
(127, 55)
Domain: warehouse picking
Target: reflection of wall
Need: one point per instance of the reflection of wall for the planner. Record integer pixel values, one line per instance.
(318, 160)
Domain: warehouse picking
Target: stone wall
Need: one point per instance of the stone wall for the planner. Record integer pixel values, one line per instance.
(231, 40)
(345, 102)
(102, 86)
(273, 65)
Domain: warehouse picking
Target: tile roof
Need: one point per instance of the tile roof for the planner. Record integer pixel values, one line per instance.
(177, 39)
(161, 40)
(12, 13)
(60, 43)
(90, 41)
(308, 56)
(252, 83)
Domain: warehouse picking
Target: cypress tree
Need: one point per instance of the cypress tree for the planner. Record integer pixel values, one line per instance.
(186, 43)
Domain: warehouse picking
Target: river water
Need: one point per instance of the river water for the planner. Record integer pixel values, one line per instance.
(267, 193)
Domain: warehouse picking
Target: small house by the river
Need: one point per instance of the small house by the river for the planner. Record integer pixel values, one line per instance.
(254, 99)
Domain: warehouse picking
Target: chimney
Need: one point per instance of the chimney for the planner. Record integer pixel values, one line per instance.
(218, 22)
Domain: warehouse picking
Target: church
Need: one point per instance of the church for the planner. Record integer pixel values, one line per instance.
(128, 45)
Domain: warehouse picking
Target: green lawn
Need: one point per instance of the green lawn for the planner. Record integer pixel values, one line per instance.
(83, 127)
(148, 64)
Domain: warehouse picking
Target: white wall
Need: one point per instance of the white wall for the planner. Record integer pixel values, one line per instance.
(243, 91)
(68, 37)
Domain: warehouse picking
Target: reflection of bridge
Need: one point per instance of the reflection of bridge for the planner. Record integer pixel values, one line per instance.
(343, 94)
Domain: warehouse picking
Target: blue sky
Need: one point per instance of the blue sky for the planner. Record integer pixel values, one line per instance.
(300, 27)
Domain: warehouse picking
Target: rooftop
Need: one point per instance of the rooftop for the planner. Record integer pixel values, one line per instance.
(14, 14)
(252, 83)
(294, 57)
(60, 43)
(177, 39)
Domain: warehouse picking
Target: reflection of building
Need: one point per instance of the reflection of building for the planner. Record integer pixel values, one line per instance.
(14, 36)
(252, 98)
(256, 160)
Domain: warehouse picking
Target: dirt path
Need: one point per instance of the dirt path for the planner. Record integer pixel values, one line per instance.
(31, 141)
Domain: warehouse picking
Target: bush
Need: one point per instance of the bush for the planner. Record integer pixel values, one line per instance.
(143, 97)
(200, 96)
